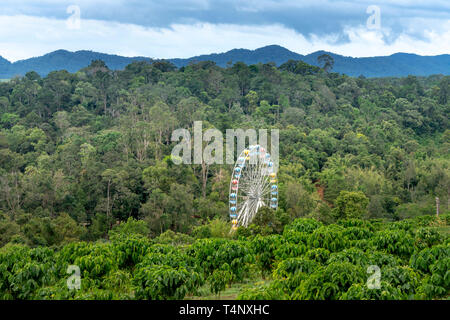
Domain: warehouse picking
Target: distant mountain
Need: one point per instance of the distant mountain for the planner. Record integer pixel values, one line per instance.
(4, 68)
(272, 53)
(396, 65)
(63, 59)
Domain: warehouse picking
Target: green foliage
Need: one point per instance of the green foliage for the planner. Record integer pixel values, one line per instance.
(303, 225)
(424, 259)
(353, 255)
(173, 238)
(264, 249)
(427, 237)
(328, 283)
(351, 204)
(397, 242)
(262, 292)
(328, 237)
(403, 278)
(290, 266)
(129, 250)
(86, 157)
(319, 255)
(322, 264)
(289, 250)
(359, 291)
(212, 254)
(131, 226)
(219, 279)
(161, 282)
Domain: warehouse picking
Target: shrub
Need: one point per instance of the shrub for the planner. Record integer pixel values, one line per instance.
(403, 278)
(426, 237)
(303, 225)
(359, 291)
(319, 255)
(173, 238)
(129, 250)
(289, 250)
(357, 233)
(161, 282)
(289, 267)
(264, 249)
(211, 254)
(424, 259)
(330, 282)
(263, 292)
(131, 226)
(351, 204)
(353, 255)
(397, 242)
(219, 280)
(329, 237)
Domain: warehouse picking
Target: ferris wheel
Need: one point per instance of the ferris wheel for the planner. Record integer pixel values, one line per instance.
(253, 185)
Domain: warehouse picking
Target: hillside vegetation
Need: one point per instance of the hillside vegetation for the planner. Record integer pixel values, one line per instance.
(82, 153)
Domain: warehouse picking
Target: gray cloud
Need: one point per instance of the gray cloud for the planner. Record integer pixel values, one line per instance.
(318, 17)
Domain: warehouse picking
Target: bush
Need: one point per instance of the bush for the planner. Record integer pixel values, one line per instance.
(403, 278)
(173, 238)
(289, 250)
(319, 255)
(219, 280)
(303, 225)
(263, 292)
(129, 250)
(351, 204)
(353, 255)
(212, 254)
(161, 282)
(201, 232)
(357, 233)
(424, 259)
(329, 237)
(330, 282)
(289, 267)
(264, 249)
(132, 226)
(359, 291)
(397, 242)
(427, 237)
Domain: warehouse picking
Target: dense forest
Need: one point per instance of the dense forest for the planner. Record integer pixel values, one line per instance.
(86, 155)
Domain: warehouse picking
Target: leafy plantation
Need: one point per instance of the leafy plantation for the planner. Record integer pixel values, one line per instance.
(131, 266)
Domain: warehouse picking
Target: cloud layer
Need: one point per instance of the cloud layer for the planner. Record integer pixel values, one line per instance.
(186, 28)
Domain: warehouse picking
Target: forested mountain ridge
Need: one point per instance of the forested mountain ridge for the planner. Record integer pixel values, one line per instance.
(63, 60)
(91, 148)
(399, 64)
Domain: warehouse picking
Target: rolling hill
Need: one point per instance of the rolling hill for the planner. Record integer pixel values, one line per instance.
(396, 65)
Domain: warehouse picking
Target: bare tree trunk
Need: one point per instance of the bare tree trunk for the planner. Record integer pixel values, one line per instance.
(107, 202)
(205, 169)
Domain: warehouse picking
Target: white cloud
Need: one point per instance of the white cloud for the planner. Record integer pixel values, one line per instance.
(24, 36)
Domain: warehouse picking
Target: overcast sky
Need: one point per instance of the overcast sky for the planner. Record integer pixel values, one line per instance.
(184, 28)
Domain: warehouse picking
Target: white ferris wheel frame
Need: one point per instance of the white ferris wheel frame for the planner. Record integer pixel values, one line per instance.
(252, 186)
